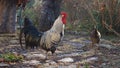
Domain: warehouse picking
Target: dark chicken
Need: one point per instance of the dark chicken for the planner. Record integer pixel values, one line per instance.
(31, 34)
(95, 38)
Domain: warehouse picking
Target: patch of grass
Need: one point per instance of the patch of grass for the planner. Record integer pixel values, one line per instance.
(86, 65)
(10, 57)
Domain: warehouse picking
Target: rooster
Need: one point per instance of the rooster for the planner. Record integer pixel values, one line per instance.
(53, 36)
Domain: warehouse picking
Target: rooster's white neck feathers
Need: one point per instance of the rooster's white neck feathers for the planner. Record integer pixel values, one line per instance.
(58, 25)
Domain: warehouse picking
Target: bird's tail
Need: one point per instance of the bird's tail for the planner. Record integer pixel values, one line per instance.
(20, 37)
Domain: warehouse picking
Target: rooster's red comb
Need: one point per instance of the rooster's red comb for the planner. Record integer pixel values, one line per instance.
(64, 13)
(64, 17)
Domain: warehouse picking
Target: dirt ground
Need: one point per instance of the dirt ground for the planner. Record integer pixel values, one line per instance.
(74, 51)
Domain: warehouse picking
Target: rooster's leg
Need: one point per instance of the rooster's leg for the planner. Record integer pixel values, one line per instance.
(53, 55)
(46, 56)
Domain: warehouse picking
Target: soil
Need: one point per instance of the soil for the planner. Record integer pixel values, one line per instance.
(75, 47)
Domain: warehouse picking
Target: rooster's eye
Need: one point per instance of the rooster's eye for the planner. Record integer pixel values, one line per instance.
(62, 15)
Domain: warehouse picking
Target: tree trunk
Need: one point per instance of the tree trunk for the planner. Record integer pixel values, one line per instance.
(7, 16)
(49, 12)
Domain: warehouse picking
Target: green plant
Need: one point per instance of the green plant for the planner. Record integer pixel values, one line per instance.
(86, 65)
(107, 16)
(10, 57)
